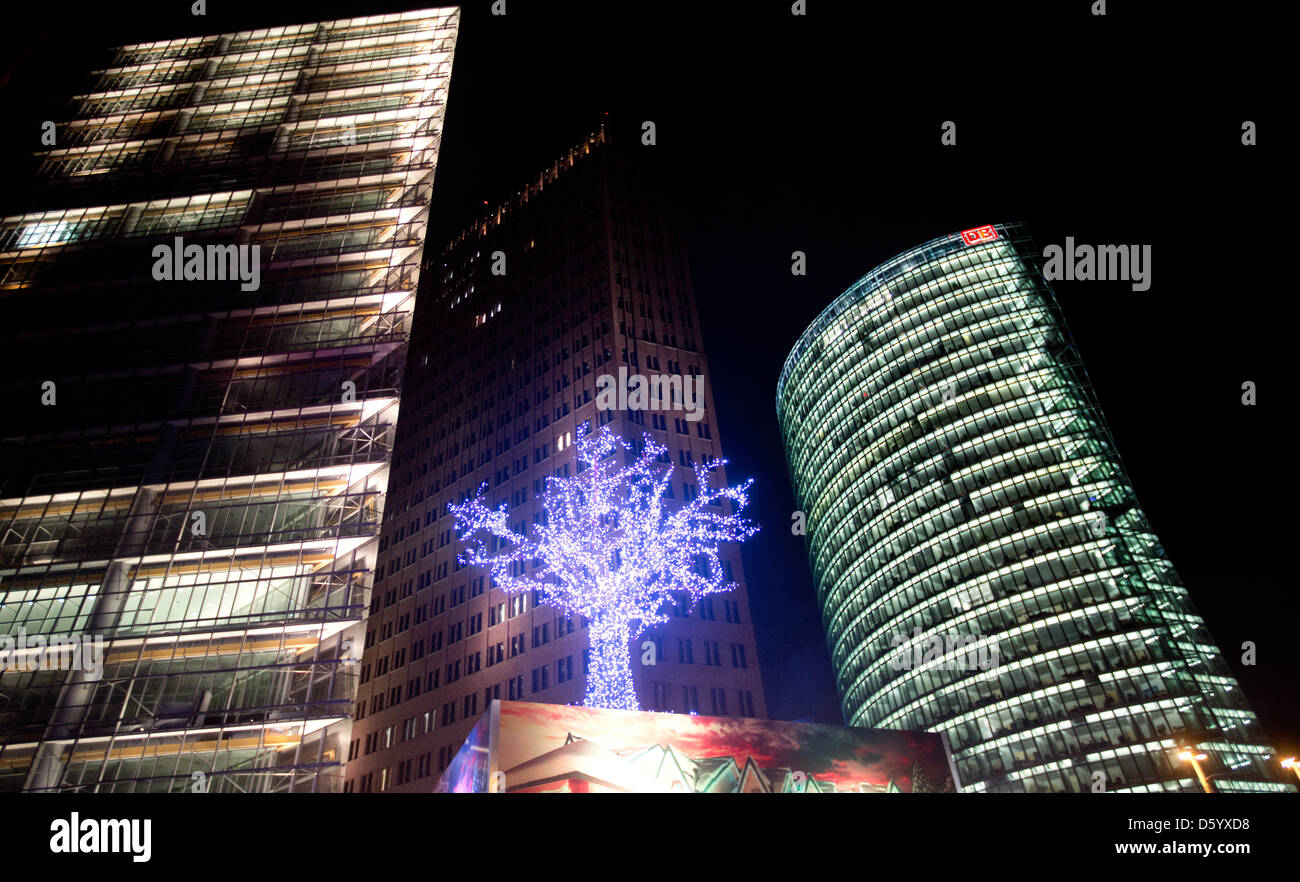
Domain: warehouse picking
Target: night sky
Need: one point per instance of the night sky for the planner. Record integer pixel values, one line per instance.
(822, 134)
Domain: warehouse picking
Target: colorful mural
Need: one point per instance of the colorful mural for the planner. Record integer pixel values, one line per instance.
(563, 748)
(468, 770)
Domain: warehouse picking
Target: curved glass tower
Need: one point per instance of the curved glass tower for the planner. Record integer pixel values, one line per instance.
(960, 484)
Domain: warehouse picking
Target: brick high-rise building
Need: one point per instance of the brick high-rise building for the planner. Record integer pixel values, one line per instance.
(502, 371)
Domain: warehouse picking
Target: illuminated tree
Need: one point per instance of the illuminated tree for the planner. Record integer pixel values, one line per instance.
(614, 547)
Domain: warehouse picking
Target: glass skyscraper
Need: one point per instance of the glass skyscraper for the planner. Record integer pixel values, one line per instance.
(193, 464)
(959, 481)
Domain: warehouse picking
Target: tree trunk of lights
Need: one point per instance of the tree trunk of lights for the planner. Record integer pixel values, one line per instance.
(609, 669)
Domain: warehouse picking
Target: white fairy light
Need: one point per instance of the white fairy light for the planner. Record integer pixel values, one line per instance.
(611, 550)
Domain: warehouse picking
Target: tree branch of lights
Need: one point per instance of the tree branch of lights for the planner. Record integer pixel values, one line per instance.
(608, 548)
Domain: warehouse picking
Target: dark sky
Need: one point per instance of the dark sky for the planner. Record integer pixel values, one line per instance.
(821, 134)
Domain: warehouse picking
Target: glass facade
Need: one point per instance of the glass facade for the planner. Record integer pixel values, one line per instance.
(193, 465)
(959, 481)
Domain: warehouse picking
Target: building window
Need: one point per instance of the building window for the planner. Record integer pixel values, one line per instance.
(660, 697)
(738, 656)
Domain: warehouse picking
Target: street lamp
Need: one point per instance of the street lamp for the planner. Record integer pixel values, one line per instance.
(1195, 760)
(1290, 763)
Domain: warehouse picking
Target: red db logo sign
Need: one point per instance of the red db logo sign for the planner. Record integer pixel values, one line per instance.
(979, 234)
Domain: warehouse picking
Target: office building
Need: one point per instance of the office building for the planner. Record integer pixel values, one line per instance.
(581, 273)
(959, 481)
(206, 300)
